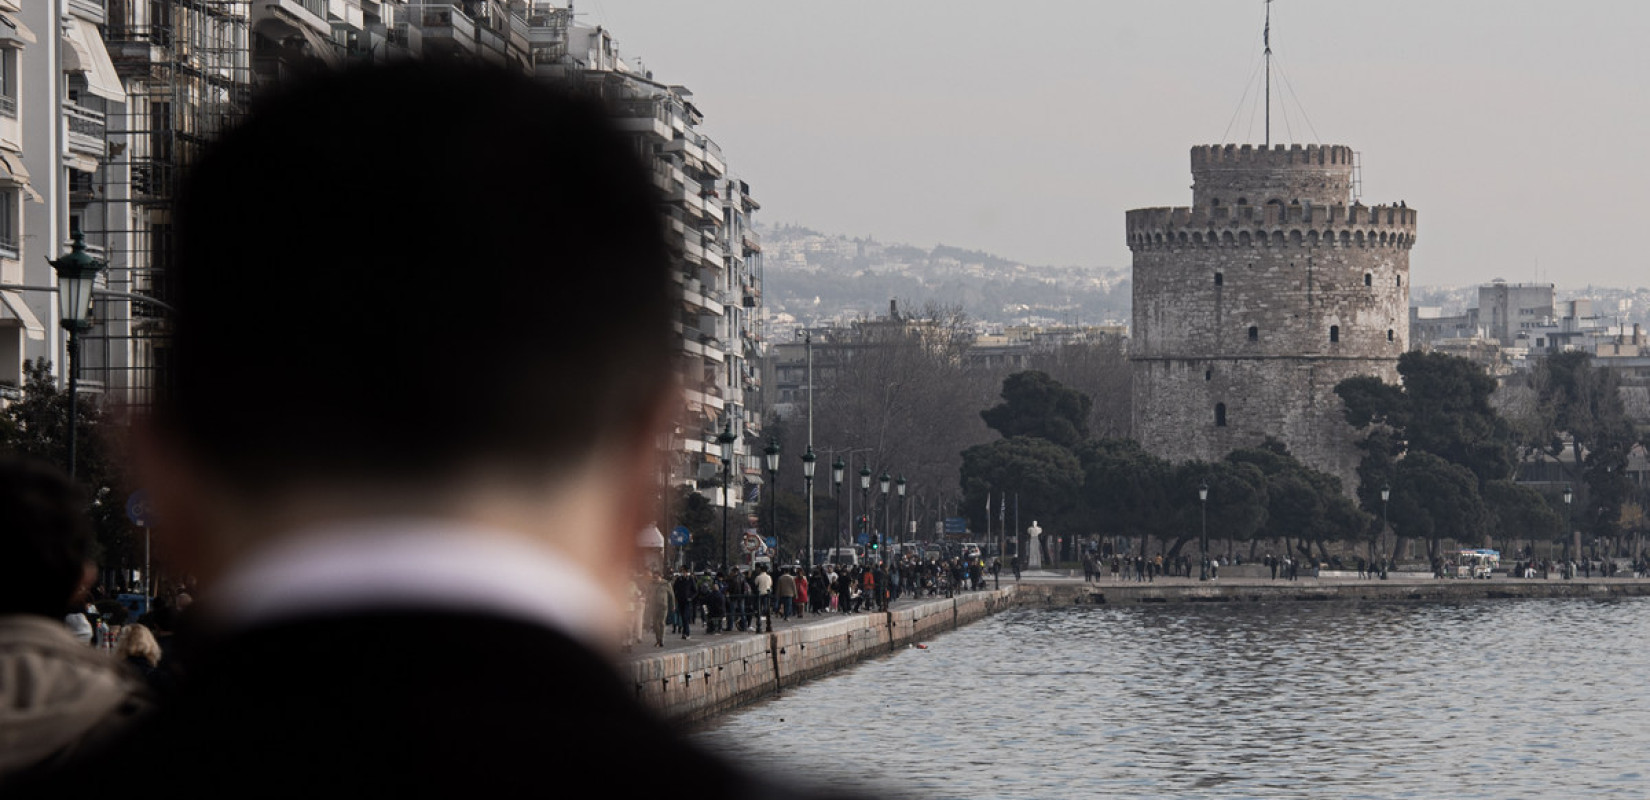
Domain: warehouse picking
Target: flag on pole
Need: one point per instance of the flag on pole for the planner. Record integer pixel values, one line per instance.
(1002, 508)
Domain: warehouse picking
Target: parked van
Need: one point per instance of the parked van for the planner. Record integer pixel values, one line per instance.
(842, 556)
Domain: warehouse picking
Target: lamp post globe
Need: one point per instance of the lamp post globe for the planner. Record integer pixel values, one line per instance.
(1203, 548)
(1569, 520)
(76, 277)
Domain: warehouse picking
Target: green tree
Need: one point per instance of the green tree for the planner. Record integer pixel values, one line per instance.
(36, 426)
(1126, 491)
(1519, 513)
(1434, 499)
(1036, 405)
(1043, 475)
(700, 517)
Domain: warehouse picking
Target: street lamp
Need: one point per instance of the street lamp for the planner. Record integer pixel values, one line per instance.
(899, 488)
(865, 500)
(808, 460)
(887, 509)
(1203, 498)
(771, 455)
(76, 275)
(837, 468)
(1569, 521)
(726, 439)
(1386, 494)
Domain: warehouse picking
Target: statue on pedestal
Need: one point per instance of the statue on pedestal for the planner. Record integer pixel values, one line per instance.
(1036, 561)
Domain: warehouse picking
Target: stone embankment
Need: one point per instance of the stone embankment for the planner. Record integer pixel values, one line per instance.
(695, 681)
(1108, 592)
(698, 679)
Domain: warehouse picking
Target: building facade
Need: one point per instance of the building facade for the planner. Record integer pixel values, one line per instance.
(106, 103)
(1251, 304)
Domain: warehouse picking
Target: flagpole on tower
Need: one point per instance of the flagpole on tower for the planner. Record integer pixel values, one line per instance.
(1266, 37)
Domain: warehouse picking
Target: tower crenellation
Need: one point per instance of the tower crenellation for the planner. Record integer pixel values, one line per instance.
(1251, 304)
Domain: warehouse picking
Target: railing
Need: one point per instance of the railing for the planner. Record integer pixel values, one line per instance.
(9, 246)
(8, 106)
(86, 129)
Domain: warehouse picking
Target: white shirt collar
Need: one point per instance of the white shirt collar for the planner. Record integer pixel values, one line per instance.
(414, 564)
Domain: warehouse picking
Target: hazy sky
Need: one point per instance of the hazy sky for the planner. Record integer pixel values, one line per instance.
(1519, 129)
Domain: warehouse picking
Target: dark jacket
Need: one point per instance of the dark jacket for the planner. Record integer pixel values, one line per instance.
(399, 704)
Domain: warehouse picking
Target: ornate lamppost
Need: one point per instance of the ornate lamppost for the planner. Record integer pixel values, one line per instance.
(837, 468)
(899, 488)
(1386, 494)
(887, 508)
(76, 275)
(808, 460)
(865, 501)
(1569, 524)
(1203, 552)
(726, 439)
(771, 455)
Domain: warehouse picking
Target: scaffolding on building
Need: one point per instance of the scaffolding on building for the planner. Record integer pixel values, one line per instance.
(186, 67)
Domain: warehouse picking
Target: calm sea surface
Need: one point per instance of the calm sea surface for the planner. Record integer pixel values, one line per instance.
(1494, 699)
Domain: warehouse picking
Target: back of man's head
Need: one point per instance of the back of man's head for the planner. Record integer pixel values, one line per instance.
(45, 539)
(401, 274)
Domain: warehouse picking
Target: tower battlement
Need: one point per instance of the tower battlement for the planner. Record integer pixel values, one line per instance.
(1247, 155)
(1272, 224)
(1237, 175)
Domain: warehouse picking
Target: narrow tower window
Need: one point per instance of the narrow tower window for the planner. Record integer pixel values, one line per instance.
(1208, 374)
(1334, 333)
(1400, 280)
(1389, 334)
(1220, 415)
(1220, 279)
(1369, 279)
(1254, 334)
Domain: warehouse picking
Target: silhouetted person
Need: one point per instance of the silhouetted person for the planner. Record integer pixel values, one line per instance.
(58, 695)
(423, 354)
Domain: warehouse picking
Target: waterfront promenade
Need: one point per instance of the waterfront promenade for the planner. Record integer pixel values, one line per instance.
(701, 677)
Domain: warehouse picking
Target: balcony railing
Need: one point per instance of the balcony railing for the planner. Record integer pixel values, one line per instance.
(86, 130)
(9, 245)
(8, 106)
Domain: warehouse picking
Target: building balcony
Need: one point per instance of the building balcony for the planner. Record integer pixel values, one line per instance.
(90, 9)
(445, 28)
(86, 131)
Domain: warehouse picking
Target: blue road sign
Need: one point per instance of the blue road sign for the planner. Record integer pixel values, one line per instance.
(680, 535)
(956, 525)
(863, 538)
(773, 541)
(137, 509)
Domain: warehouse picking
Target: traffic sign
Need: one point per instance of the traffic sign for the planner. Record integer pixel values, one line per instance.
(772, 542)
(137, 509)
(956, 525)
(680, 535)
(864, 538)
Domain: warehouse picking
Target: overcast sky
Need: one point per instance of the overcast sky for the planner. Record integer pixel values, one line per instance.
(1519, 129)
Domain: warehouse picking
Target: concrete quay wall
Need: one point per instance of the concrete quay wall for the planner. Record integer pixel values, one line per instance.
(701, 682)
(1425, 589)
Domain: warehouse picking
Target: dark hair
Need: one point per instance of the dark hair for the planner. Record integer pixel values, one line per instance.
(45, 538)
(403, 272)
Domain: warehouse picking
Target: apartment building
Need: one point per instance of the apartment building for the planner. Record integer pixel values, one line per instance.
(105, 103)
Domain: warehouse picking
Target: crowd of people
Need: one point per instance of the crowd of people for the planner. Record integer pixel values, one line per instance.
(735, 599)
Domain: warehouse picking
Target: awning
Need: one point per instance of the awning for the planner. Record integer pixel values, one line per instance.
(84, 52)
(12, 30)
(13, 174)
(20, 311)
(322, 47)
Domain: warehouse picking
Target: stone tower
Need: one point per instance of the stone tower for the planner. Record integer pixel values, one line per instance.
(1252, 304)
